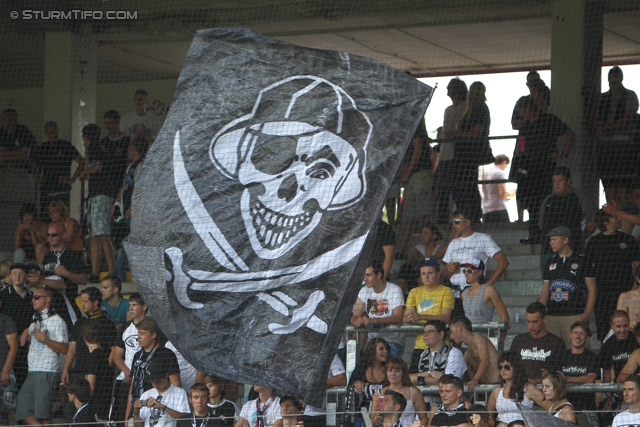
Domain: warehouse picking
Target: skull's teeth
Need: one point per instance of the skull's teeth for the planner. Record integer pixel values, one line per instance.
(275, 229)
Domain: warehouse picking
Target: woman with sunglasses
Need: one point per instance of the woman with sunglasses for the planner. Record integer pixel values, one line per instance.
(480, 300)
(513, 388)
(397, 379)
(554, 389)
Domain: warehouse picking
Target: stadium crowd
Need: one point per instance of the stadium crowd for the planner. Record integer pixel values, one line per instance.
(114, 363)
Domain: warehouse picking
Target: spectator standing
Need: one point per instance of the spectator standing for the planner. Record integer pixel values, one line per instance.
(417, 178)
(17, 305)
(152, 353)
(8, 353)
(201, 415)
(262, 411)
(560, 208)
(534, 159)
(471, 141)
(457, 91)
(451, 411)
(384, 247)
(225, 411)
(106, 163)
(494, 195)
(578, 365)
(432, 301)
(16, 142)
(470, 245)
(380, 303)
(616, 115)
(188, 373)
(98, 372)
(613, 257)
(51, 165)
(568, 286)
(137, 152)
(79, 394)
(538, 349)
(114, 304)
(78, 357)
(631, 416)
(126, 347)
(481, 356)
(49, 339)
(336, 377)
(516, 119)
(165, 402)
(140, 120)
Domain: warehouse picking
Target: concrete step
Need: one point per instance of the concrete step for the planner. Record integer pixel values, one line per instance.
(517, 275)
(519, 287)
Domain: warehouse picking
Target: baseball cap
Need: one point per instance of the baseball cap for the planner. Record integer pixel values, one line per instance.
(428, 262)
(18, 266)
(474, 263)
(560, 231)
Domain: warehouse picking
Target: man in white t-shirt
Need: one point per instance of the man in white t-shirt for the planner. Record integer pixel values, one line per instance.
(380, 303)
(162, 405)
(630, 417)
(140, 120)
(264, 410)
(462, 250)
(187, 372)
(494, 195)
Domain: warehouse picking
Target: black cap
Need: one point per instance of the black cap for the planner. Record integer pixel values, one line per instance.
(18, 265)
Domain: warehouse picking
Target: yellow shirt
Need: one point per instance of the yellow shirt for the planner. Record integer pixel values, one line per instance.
(431, 302)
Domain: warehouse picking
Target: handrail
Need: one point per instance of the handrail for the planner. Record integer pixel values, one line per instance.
(416, 327)
(488, 388)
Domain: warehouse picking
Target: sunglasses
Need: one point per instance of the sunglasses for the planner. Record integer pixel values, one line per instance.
(37, 297)
(53, 234)
(469, 270)
(458, 221)
(505, 367)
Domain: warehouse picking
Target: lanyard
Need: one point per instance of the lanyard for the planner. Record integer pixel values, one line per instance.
(78, 413)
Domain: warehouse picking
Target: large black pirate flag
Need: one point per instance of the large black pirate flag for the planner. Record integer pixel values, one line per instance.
(253, 208)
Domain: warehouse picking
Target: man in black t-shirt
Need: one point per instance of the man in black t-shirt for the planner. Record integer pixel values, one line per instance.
(151, 352)
(568, 286)
(77, 361)
(538, 349)
(613, 257)
(535, 157)
(578, 365)
(51, 165)
(16, 140)
(384, 246)
(451, 411)
(615, 352)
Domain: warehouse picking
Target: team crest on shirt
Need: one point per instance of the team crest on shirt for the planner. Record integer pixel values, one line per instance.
(552, 267)
(574, 266)
(623, 246)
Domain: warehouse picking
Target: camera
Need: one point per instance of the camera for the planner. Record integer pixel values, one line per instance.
(144, 402)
